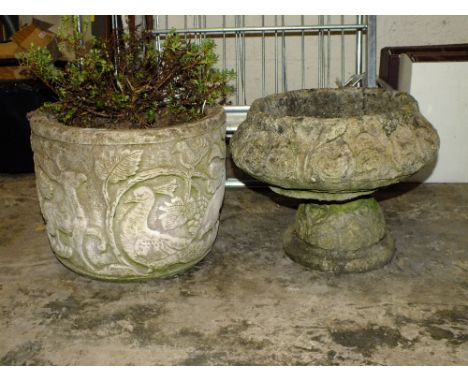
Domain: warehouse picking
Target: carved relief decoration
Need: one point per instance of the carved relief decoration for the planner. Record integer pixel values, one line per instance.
(131, 211)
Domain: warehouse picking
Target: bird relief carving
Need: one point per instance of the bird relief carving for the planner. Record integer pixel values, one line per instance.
(143, 244)
(129, 232)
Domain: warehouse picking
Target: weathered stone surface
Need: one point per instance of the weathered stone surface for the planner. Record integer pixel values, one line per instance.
(334, 140)
(320, 195)
(246, 303)
(339, 261)
(340, 237)
(335, 145)
(130, 204)
(342, 227)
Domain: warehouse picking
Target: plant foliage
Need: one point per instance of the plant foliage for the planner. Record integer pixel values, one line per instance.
(130, 83)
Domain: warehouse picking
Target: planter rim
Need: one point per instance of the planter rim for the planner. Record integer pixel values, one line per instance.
(257, 107)
(45, 125)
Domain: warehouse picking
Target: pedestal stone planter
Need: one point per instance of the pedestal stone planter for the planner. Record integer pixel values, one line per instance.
(130, 204)
(335, 147)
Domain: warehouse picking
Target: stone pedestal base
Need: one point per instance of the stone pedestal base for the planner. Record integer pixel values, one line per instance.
(340, 237)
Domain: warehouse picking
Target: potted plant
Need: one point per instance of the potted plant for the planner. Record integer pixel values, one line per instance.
(129, 161)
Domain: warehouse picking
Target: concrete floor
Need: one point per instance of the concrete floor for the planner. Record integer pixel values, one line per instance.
(246, 303)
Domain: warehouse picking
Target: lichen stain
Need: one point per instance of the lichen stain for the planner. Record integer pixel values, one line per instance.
(456, 315)
(108, 295)
(26, 354)
(10, 227)
(236, 344)
(446, 324)
(135, 323)
(62, 309)
(439, 334)
(451, 319)
(366, 340)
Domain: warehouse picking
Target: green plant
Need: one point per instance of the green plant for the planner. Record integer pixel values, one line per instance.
(130, 83)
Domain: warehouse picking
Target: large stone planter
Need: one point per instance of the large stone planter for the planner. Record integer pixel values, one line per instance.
(335, 146)
(130, 204)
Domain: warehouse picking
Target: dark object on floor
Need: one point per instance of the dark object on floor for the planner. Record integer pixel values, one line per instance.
(17, 98)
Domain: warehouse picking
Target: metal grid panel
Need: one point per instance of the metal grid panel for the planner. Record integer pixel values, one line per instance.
(268, 52)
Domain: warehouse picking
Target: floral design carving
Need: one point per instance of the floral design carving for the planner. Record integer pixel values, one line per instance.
(334, 140)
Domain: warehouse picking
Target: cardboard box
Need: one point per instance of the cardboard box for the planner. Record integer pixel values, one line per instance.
(390, 58)
(440, 84)
(8, 50)
(33, 35)
(14, 73)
